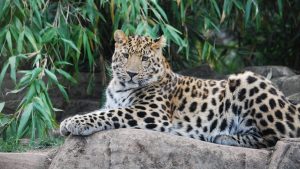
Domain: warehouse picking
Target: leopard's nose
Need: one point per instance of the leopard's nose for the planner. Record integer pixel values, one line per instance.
(131, 74)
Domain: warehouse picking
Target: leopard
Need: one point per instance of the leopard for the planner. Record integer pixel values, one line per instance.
(244, 110)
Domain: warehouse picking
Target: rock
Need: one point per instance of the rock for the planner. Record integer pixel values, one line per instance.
(277, 71)
(288, 85)
(287, 154)
(295, 97)
(28, 160)
(132, 148)
(203, 71)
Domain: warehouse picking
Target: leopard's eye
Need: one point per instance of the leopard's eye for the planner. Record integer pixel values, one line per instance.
(145, 58)
(125, 55)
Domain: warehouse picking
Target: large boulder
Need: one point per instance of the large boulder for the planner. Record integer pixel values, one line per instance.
(288, 85)
(295, 98)
(129, 148)
(27, 160)
(275, 71)
(287, 154)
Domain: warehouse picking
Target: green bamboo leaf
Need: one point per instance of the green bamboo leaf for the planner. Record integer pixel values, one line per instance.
(24, 119)
(71, 44)
(31, 38)
(37, 58)
(40, 126)
(63, 91)
(3, 72)
(3, 31)
(52, 76)
(22, 56)
(30, 94)
(34, 73)
(24, 81)
(46, 117)
(88, 52)
(12, 62)
(3, 7)
(49, 35)
(9, 42)
(204, 51)
(20, 42)
(209, 22)
(248, 11)
(33, 126)
(59, 63)
(182, 11)
(145, 7)
(161, 11)
(66, 75)
(239, 5)
(16, 90)
(280, 7)
(2, 104)
(156, 13)
(79, 43)
(226, 6)
(19, 6)
(215, 5)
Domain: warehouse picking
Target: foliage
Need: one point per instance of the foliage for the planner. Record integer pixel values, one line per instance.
(231, 34)
(55, 38)
(44, 44)
(10, 145)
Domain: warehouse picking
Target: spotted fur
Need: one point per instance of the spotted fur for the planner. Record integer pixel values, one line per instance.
(244, 110)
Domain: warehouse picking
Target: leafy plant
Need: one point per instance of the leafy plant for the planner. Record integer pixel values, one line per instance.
(45, 41)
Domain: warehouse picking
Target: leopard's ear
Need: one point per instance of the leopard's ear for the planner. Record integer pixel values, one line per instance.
(120, 37)
(159, 43)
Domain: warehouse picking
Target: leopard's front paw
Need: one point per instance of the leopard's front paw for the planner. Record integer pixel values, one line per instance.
(64, 131)
(225, 140)
(77, 125)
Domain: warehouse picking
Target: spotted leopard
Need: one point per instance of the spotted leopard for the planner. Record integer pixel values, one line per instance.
(245, 110)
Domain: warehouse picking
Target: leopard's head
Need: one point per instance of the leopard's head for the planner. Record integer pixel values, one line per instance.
(138, 60)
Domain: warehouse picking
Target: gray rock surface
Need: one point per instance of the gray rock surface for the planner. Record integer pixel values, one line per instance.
(29, 160)
(276, 71)
(287, 154)
(288, 85)
(295, 97)
(129, 148)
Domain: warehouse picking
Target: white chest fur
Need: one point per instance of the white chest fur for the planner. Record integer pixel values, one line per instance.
(117, 95)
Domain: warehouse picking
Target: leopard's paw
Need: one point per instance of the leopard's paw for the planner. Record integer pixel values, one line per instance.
(64, 131)
(225, 140)
(77, 125)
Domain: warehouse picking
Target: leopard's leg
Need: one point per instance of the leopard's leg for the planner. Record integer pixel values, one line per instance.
(250, 140)
(138, 116)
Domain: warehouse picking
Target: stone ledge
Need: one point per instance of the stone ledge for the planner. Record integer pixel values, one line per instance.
(30, 160)
(129, 148)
